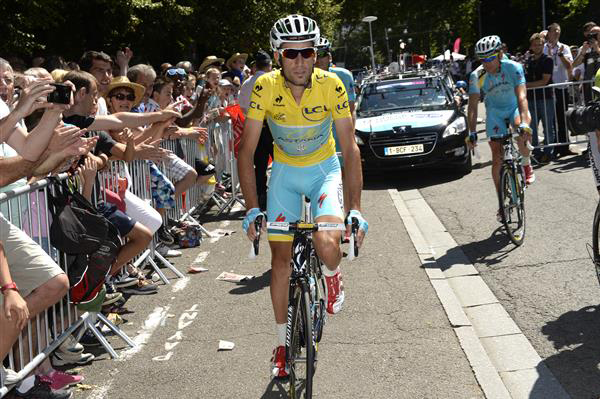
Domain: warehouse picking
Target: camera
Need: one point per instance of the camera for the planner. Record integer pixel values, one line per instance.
(61, 95)
(592, 36)
(584, 119)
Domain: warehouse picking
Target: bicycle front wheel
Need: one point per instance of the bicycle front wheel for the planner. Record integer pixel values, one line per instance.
(595, 243)
(512, 204)
(301, 346)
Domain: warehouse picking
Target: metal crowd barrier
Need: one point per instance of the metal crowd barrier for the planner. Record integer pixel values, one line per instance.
(27, 208)
(550, 111)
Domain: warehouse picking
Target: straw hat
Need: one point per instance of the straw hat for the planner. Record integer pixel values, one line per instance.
(122, 81)
(234, 57)
(211, 59)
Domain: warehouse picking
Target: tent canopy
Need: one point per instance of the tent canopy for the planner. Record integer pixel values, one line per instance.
(446, 56)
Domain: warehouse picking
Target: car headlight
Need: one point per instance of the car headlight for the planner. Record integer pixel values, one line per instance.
(459, 125)
(359, 141)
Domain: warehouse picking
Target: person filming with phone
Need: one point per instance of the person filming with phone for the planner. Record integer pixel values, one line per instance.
(589, 56)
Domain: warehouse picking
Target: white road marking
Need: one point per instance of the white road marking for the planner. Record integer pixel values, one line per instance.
(101, 392)
(156, 318)
(180, 284)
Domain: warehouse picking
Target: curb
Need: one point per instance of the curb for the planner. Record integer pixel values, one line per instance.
(503, 360)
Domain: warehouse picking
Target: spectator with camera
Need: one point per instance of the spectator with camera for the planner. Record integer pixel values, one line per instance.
(589, 57)
(562, 63)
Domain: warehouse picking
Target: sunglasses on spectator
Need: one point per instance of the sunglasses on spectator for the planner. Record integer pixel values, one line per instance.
(490, 58)
(121, 97)
(292, 53)
(176, 71)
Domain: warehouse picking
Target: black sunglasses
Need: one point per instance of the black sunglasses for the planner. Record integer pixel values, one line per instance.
(121, 96)
(292, 53)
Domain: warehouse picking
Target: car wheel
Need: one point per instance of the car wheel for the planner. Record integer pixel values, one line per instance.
(466, 167)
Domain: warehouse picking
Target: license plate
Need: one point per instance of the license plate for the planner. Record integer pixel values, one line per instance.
(404, 149)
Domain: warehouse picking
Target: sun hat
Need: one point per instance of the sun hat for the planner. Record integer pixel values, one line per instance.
(235, 57)
(122, 81)
(208, 61)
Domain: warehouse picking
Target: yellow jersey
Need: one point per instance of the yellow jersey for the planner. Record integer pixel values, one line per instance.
(301, 132)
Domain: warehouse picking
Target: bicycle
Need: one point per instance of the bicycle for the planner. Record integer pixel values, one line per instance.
(511, 195)
(307, 298)
(595, 242)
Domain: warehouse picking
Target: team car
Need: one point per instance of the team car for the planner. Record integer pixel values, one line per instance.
(412, 120)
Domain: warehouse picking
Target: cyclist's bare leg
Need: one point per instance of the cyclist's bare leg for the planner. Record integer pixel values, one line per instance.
(496, 148)
(327, 243)
(522, 140)
(281, 256)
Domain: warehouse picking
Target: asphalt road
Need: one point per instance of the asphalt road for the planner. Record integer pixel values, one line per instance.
(393, 339)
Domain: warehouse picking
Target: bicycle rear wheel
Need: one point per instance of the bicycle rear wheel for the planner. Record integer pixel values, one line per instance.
(595, 243)
(301, 346)
(512, 204)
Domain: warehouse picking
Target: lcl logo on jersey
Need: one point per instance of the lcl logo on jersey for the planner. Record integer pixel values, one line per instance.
(341, 107)
(315, 114)
(255, 105)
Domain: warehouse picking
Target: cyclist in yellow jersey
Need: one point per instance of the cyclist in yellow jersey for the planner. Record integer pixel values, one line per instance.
(300, 104)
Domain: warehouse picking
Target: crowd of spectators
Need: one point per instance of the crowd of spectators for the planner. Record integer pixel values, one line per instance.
(117, 113)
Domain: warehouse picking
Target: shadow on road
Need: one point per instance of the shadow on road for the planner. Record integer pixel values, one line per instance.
(411, 179)
(564, 165)
(575, 335)
(489, 251)
(253, 285)
(275, 390)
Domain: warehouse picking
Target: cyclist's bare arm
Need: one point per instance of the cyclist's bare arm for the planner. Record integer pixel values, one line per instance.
(521, 93)
(472, 112)
(248, 144)
(351, 154)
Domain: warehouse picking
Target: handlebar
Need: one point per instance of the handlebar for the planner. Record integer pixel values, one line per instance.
(305, 227)
(255, 244)
(353, 244)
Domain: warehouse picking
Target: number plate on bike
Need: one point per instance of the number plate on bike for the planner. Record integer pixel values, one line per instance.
(404, 149)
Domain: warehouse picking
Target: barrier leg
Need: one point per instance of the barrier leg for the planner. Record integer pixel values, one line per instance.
(167, 264)
(158, 271)
(116, 330)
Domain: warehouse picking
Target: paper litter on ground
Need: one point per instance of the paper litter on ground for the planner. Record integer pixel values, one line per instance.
(226, 345)
(233, 277)
(196, 269)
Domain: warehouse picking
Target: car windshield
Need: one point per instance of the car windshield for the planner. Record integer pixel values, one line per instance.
(383, 96)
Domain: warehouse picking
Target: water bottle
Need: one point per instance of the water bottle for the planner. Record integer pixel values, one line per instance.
(313, 286)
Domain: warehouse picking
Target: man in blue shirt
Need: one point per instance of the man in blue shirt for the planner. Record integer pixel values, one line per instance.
(503, 83)
(325, 62)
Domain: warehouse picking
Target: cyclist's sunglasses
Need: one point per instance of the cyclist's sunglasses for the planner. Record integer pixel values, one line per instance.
(490, 58)
(121, 97)
(322, 53)
(292, 53)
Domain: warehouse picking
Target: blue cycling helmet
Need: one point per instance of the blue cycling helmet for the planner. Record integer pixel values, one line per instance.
(461, 84)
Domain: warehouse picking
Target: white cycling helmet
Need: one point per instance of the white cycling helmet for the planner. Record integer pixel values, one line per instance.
(294, 29)
(487, 46)
(323, 44)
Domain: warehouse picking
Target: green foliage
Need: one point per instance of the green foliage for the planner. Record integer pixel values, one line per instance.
(172, 30)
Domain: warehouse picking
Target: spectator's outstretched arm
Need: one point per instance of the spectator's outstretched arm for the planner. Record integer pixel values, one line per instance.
(121, 120)
(30, 145)
(197, 112)
(13, 169)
